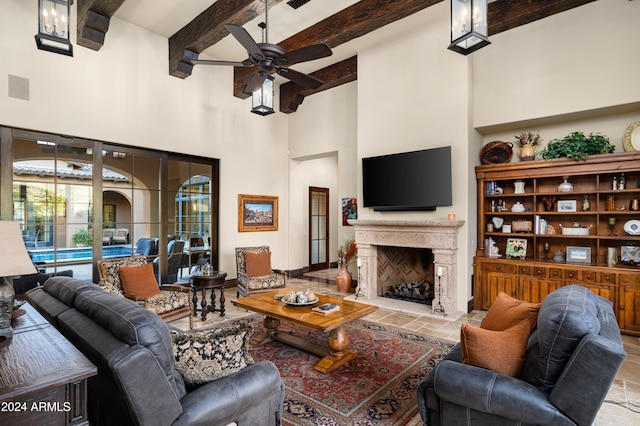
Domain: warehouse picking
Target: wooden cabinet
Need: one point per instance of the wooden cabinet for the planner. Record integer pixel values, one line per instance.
(545, 218)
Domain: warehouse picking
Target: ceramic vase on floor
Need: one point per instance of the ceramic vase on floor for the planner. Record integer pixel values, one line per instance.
(343, 280)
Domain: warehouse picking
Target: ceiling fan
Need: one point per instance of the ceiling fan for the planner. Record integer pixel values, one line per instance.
(269, 57)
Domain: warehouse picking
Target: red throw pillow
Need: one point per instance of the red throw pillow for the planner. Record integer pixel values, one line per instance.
(257, 264)
(507, 311)
(139, 281)
(500, 351)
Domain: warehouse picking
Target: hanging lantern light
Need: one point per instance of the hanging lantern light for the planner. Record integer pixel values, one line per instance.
(53, 26)
(469, 28)
(262, 99)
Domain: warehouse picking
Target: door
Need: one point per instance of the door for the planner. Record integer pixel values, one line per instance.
(318, 228)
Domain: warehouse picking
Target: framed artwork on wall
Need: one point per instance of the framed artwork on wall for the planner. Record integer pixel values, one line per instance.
(257, 213)
(349, 210)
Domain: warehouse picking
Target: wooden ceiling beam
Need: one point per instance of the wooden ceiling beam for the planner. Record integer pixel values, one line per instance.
(354, 21)
(292, 94)
(94, 17)
(504, 15)
(207, 29)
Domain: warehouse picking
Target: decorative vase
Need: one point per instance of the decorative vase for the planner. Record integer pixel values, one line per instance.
(527, 152)
(343, 280)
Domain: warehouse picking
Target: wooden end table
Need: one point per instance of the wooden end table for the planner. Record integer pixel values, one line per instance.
(337, 351)
(212, 282)
(43, 377)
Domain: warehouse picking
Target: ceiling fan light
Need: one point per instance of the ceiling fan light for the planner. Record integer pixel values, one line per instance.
(262, 99)
(469, 27)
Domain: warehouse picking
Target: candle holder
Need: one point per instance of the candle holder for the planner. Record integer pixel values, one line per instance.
(612, 227)
(438, 292)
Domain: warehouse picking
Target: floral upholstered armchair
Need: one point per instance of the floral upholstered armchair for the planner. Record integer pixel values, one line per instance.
(253, 265)
(170, 302)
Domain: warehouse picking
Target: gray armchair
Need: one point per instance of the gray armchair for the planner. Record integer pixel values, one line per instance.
(247, 284)
(572, 358)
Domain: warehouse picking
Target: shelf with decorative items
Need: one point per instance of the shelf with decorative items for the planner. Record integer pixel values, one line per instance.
(548, 223)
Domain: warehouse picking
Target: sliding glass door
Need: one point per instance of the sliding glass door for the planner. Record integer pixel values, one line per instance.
(79, 201)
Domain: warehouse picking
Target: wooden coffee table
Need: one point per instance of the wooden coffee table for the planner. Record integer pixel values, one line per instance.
(337, 352)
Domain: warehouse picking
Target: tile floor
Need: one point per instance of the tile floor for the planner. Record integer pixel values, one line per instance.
(623, 401)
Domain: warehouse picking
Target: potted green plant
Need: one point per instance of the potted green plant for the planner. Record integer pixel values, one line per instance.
(528, 142)
(578, 146)
(81, 238)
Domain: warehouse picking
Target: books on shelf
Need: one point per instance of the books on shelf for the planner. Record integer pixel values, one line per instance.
(540, 225)
(327, 308)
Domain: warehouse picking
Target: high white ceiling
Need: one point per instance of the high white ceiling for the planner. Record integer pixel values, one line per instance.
(167, 17)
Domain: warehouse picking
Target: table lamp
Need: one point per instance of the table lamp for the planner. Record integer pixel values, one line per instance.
(14, 260)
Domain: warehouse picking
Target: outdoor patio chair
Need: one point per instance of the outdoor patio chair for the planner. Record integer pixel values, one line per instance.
(107, 235)
(255, 275)
(121, 236)
(170, 304)
(176, 261)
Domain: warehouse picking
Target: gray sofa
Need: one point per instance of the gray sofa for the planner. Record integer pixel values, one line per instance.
(572, 358)
(137, 383)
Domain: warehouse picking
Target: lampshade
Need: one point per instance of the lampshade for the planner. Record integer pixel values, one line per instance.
(469, 29)
(14, 260)
(53, 26)
(262, 99)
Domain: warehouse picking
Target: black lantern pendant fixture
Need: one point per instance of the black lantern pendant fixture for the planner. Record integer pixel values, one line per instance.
(469, 28)
(53, 26)
(262, 99)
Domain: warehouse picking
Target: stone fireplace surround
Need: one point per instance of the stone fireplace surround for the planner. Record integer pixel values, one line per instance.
(441, 236)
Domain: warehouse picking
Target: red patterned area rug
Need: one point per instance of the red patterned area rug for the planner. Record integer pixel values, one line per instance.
(376, 388)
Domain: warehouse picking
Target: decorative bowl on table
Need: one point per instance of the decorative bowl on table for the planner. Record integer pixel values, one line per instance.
(300, 299)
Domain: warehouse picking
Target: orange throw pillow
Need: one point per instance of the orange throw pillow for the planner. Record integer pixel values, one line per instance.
(258, 264)
(499, 351)
(139, 281)
(506, 312)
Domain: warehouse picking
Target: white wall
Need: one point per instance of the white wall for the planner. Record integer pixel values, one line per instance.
(124, 94)
(323, 126)
(583, 59)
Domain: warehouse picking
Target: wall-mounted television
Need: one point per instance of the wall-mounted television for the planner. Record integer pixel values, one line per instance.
(408, 181)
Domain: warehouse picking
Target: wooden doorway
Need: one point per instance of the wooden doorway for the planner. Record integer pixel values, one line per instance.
(318, 228)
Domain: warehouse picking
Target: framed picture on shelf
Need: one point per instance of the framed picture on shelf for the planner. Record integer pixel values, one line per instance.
(630, 255)
(566, 205)
(516, 248)
(578, 254)
(257, 213)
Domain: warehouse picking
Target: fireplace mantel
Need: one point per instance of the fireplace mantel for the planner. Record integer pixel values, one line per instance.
(441, 236)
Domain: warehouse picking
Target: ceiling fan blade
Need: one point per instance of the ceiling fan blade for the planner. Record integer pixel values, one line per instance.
(300, 78)
(304, 54)
(245, 39)
(255, 82)
(215, 62)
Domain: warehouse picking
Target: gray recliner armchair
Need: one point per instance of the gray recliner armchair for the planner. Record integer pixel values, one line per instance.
(572, 358)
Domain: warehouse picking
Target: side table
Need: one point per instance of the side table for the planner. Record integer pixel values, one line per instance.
(212, 282)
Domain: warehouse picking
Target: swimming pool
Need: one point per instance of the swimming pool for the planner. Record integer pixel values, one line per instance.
(83, 253)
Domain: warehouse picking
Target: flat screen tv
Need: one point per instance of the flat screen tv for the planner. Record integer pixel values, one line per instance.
(409, 181)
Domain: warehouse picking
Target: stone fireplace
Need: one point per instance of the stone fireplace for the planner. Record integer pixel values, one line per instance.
(440, 236)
